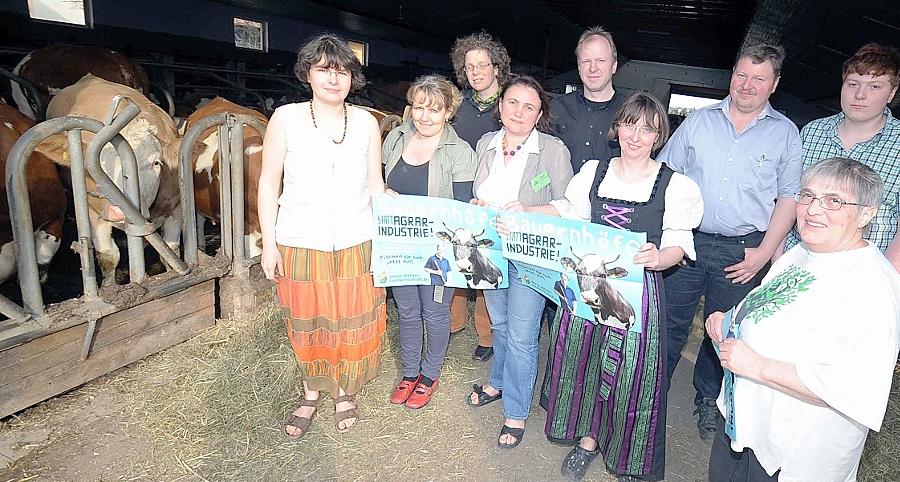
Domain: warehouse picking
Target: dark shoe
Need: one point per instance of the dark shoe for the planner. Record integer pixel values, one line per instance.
(518, 433)
(483, 353)
(483, 397)
(421, 395)
(708, 418)
(576, 464)
(404, 390)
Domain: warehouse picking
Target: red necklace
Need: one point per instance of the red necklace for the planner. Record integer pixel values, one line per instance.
(511, 152)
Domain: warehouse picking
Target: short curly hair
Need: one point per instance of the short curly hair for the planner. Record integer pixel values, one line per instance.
(435, 90)
(336, 54)
(479, 41)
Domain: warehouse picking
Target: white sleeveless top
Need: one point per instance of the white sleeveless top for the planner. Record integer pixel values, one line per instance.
(325, 202)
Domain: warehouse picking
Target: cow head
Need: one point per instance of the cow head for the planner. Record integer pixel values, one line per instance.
(591, 268)
(465, 245)
(148, 152)
(593, 271)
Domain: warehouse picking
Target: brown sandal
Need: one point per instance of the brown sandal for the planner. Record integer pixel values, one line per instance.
(301, 423)
(343, 415)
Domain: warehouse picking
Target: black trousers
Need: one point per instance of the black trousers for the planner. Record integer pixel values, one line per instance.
(726, 465)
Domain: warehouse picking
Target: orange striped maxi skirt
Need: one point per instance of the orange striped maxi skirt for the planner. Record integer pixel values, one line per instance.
(334, 315)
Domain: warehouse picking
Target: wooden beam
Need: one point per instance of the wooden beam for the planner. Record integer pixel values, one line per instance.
(50, 365)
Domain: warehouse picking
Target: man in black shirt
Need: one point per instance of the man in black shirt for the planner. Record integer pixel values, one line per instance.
(583, 117)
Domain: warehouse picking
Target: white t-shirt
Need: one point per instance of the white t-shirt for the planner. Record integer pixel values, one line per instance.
(504, 181)
(684, 205)
(325, 202)
(835, 316)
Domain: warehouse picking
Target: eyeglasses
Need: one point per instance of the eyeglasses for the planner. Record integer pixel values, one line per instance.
(326, 72)
(473, 68)
(829, 201)
(644, 130)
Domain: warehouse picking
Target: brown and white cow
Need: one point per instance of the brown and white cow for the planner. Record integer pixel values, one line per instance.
(47, 198)
(59, 66)
(206, 170)
(152, 136)
(605, 301)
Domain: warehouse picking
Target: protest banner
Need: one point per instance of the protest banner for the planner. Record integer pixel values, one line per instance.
(432, 241)
(588, 267)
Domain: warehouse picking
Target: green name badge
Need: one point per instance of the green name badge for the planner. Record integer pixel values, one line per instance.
(540, 181)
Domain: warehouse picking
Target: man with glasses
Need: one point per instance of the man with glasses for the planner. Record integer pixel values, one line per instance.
(865, 131)
(746, 158)
(481, 65)
(583, 117)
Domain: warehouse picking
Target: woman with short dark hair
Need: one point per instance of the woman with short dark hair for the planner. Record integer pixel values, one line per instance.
(520, 168)
(317, 231)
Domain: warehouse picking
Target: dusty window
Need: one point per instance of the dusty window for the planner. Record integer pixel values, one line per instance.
(250, 34)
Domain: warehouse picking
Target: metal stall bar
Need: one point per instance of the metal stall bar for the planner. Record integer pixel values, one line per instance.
(82, 216)
(40, 110)
(236, 192)
(186, 185)
(136, 225)
(237, 196)
(20, 207)
(225, 211)
(114, 124)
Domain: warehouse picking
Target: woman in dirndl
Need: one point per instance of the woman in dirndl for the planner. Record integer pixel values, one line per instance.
(317, 231)
(604, 388)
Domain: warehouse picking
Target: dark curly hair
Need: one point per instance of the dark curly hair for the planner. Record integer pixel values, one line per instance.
(543, 123)
(336, 54)
(479, 41)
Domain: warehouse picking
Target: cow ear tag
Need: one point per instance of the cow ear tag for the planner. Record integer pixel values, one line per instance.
(540, 181)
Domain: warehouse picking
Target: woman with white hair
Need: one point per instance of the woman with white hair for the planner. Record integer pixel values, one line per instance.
(813, 348)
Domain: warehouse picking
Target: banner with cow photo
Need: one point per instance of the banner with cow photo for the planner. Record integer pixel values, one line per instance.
(586, 266)
(431, 241)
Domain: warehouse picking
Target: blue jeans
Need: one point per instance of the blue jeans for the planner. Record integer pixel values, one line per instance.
(516, 323)
(684, 287)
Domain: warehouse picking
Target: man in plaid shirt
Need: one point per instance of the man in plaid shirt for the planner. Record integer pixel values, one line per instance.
(866, 131)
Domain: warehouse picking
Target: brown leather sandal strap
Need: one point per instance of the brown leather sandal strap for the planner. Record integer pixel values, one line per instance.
(311, 403)
(344, 398)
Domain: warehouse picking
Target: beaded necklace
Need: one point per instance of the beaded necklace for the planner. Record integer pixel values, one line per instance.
(511, 152)
(312, 113)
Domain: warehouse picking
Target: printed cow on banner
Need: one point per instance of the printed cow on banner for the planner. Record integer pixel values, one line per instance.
(479, 271)
(605, 301)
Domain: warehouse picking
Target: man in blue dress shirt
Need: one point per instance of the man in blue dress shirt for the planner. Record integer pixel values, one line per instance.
(747, 159)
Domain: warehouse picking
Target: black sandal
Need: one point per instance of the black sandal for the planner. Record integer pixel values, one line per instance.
(576, 464)
(518, 433)
(483, 397)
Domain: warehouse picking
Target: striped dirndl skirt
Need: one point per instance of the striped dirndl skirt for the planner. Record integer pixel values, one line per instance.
(334, 315)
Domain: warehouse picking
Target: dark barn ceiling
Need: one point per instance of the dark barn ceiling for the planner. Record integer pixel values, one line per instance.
(818, 34)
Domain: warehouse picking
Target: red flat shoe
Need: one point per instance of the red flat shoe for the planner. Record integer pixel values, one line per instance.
(421, 395)
(404, 390)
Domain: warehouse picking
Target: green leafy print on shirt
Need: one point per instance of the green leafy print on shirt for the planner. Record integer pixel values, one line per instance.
(778, 292)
